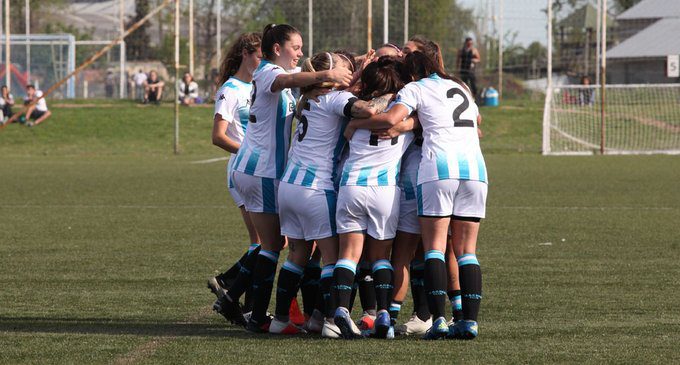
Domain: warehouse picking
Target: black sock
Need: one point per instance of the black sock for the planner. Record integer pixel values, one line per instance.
(343, 276)
(227, 278)
(456, 304)
(263, 281)
(395, 308)
(470, 276)
(353, 295)
(286, 288)
(310, 286)
(420, 307)
(383, 275)
(366, 288)
(435, 282)
(244, 280)
(325, 284)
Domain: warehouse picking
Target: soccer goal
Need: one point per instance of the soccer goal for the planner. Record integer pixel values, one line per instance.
(637, 119)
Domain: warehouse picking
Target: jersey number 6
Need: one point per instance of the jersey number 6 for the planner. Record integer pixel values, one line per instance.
(457, 122)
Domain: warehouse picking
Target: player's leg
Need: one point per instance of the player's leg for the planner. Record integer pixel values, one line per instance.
(290, 274)
(350, 248)
(309, 285)
(364, 285)
(453, 289)
(329, 254)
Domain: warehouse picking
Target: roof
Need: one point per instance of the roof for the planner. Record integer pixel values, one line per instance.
(653, 41)
(581, 18)
(652, 9)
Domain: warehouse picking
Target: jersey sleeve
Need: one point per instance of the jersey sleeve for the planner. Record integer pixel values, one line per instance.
(225, 105)
(341, 104)
(268, 77)
(409, 96)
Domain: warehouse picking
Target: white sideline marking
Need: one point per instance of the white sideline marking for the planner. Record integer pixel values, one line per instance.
(545, 244)
(210, 160)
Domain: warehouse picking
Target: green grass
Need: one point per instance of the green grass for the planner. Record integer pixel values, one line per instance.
(106, 240)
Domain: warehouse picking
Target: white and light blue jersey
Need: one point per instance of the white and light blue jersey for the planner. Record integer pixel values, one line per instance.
(410, 161)
(448, 116)
(318, 142)
(373, 161)
(264, 150)
(232, 102)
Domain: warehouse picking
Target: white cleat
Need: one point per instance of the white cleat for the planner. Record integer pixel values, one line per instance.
(315, 323)
(284, 328)
(330, 330)
(414, 326)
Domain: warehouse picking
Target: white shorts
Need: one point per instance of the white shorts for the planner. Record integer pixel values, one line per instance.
(408, 215)
(258, 193)
(370, 209)
(305, 213)
(452, 197)
(230, 184)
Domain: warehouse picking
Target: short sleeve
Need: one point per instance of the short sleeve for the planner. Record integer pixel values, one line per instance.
(226, 104)
(341, 104)
(409, 96)
(267, 77)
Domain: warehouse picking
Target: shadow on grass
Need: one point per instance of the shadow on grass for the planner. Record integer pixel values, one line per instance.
(106, 326)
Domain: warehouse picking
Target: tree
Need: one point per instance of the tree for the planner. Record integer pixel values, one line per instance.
(137, 43)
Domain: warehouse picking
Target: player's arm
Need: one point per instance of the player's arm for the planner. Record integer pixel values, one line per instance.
(341, 76)
(388, 119)
(367, 109)
(475, 56)
(404, 126)
(219, 135)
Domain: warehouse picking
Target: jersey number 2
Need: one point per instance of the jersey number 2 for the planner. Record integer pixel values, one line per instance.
(457, 122)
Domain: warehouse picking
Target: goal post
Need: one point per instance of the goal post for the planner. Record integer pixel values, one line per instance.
(639, 119)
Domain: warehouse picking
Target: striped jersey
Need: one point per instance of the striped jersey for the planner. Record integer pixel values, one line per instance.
(264, 150)
(410, 161)
(232, 102)
(318, 141)
(448, 116)
(373, 161)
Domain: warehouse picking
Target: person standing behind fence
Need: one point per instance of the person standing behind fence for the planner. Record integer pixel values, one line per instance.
(109, 83)
(6, 103)
(468, 58)
(187, 90)
(139, 78)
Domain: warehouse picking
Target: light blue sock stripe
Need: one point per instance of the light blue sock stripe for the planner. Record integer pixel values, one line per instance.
(382, 264)
(272, 255)
(457, 302)
(292, 267)
(434, 255)
(468, 259)
(395, 307)
(347, 264)
(253, 247)
(327, 271)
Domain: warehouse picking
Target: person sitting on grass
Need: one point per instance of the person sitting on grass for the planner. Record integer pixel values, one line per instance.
(36, 110)
(153, 89)
(6, 103)
(187, 90)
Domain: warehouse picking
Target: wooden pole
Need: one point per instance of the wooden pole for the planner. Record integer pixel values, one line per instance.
(28, 40)
(8, 78)
(386, 21)
(176, 30)
(369, 26)
(121, 25)
(405, 21)
(549, 88)
(310, 26)
(603, 76)
(191, 37)
(218, 36)
(500, 51)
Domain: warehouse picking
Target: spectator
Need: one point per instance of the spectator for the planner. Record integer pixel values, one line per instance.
(585, 94)
(140, 79)
(153, 89)
(109, 83)
(38, 111)
(6, 103)
(187, 90)
(468, 58)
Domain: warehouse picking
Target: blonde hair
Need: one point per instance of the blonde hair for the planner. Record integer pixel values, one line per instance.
(319, 62)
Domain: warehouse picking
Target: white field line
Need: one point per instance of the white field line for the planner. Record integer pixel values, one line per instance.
(210, 160)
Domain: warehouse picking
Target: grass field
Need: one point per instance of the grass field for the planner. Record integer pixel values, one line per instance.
(106, 240)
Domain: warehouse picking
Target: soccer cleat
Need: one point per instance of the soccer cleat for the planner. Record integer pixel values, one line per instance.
(330, 330)
(348, 329)
(414, 326)
(255, 327)
(468, 329)
(295, 314)
(315, 323)
(216, 288)
(438, 330)
(230, 309)
(284, 328)
(366, 322)
(383, 326)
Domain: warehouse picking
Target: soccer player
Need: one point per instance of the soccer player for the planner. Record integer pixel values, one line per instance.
(388, 49)
(426, 46)
(38, 111)
(307, 195)
(261, 160)
(451, 187)
(232, 108)
(368, 203)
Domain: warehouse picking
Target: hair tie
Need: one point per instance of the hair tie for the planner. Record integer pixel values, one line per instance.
(330, 60)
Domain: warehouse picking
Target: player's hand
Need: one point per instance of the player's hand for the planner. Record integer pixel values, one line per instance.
(340, 75)
(480, 134)
(387, 133)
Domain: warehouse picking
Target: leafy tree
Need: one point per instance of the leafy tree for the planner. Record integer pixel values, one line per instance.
(137, 43)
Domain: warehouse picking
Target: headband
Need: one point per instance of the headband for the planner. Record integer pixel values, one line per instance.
(347, 59)
(330, 60)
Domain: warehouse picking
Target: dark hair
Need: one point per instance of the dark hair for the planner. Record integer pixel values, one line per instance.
(275, 33)
(232, 60)
(467, 39)
(419, 66)
(381, 77)
(30, 86)
(430, 48)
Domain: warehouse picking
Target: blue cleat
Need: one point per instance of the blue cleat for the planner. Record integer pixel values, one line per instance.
(469, 330)
(455, 330)
(438, 330)
(382, 327)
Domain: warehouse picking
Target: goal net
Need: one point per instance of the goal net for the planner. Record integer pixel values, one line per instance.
(638, 119)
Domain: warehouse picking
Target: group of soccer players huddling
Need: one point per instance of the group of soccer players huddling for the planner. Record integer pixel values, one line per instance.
(383, 182)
